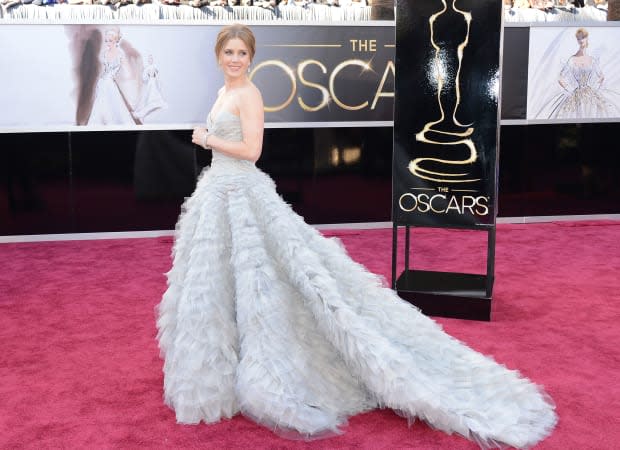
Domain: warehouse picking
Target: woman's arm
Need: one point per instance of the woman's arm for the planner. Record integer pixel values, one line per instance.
(563, 75)
(250, 105)
(598, 71)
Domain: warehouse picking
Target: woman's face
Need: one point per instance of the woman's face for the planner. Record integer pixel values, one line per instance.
(583, 42)
(234, 58)
(110, 39)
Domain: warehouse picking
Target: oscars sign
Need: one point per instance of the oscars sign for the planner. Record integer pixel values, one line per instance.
(445, 142)
(446, 114)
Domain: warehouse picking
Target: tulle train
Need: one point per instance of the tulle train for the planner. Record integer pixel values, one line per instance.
(265, 316)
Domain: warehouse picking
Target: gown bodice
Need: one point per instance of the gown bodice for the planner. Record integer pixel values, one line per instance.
(580, 76)
(111, 68)
(227, 125)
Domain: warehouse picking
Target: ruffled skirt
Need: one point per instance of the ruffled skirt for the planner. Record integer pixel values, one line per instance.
(265, 316)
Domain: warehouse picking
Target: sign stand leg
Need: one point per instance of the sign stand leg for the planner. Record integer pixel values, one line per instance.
(445, 294)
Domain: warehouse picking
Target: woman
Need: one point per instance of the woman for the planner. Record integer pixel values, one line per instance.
(583, 95)
(265, 316)
(116, 86)
(151, 99)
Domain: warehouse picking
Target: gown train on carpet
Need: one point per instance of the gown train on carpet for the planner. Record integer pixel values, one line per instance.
(265, 316)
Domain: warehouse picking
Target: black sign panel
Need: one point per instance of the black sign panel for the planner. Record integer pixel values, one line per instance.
(446, 112)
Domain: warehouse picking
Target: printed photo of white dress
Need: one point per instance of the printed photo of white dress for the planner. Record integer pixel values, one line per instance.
(151, 98)
(113, 85)
(110, 106)
(584, 86)
(118, 85)
(582, 80)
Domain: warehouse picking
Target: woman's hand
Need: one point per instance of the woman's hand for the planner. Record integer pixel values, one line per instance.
(200, 137)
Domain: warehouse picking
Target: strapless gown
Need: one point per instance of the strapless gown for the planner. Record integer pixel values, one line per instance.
(266, 317)
(109, 106)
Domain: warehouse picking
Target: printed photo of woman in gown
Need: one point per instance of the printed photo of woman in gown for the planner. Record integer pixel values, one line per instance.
(111, 78)
(266, 317)
(111, 105)
(151, 98)
(584, 92)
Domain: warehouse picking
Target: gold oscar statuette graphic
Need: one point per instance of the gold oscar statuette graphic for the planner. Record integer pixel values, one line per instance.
(447, 130)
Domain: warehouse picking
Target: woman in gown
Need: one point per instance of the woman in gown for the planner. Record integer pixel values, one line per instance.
(111, 106)
(151, 99)
(583, 95)
(266, 317)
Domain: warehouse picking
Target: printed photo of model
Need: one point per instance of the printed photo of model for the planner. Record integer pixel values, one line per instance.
(114, 87)
(586, 86)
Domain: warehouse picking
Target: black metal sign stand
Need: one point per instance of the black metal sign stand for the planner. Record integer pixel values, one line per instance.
(446, 138)
(445, 294)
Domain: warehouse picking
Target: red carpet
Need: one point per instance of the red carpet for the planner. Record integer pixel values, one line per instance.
(79, 366)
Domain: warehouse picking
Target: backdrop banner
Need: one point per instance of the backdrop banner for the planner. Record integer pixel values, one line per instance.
(73, 77)
(446, 112)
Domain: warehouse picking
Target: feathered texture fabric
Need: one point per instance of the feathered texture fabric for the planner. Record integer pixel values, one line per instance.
(265, 316)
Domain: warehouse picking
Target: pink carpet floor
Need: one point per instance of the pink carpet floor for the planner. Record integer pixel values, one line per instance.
(79, 365)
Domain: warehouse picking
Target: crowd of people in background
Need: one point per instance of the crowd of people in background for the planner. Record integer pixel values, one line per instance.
(7, 4)
(547, 5)
(386, 6)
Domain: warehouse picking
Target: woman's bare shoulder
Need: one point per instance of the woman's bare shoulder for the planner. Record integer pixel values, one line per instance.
(249, 98)
(250, 91)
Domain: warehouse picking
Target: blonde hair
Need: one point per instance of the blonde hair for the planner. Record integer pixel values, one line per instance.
(114, 30)
(581, 33)
(235, 31)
